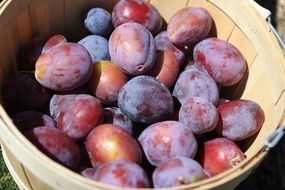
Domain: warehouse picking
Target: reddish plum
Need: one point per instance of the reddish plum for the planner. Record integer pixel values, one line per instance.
(88, 173)
(58, 103)
(240, 119)
(195, 83)
(64, 67)
(106, 82)
(53, 41)
(79, 116)
(96, 46)
(220, 154)
(139, 11)
(108, 142)
(177, 171)
(167, 139)
(132, 48)
(162, 43)
(199, 114)
(223, 61)
(189, 25)
(99, 21)
(55, 144)
(144, 99)
(192, 65)
(166, 68)
(114, 115)
(27, 120)
(122, 173)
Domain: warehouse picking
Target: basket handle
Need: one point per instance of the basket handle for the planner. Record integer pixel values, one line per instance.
(266, 14)
(273, 139)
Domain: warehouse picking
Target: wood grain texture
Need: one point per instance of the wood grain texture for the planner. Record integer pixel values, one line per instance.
(16, 169)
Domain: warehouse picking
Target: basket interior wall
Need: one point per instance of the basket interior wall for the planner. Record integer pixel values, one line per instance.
(24, 20)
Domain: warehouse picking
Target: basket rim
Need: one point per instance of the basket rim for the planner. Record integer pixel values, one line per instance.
(10, 168)
(40, 157)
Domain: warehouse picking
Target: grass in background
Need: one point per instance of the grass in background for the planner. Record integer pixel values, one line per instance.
(6, 180)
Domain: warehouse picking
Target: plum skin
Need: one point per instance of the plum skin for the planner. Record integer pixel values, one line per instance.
(239, 119)
(64, 67)
(108, 142)
(222, 60)
(199, 114)
(106, 82)
(177, 171)
(167, 139)
(79, 116)
(132, 48)
(122, 173)
(220, 154)
(56, 145)
(144, 99)
(139, 11)
(189, 25)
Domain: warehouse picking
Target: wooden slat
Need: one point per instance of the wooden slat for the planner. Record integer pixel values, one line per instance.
(239, 40)
(257, 30)
(40, 18)
(273, 112)
(255, 80)
(258, 81)
(24, 26)
(16, 169)
(253, 145)
(10, 11)
(6, 56)
(56, 12)
(168, 10)
(36, 183)
(13, 46)
(222, 26)
(10, 36)
(2, 75)
(43, 18)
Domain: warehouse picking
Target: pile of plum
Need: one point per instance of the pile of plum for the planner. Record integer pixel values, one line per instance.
(134, 105)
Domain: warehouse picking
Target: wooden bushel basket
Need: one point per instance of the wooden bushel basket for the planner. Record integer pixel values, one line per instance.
(238, 22)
